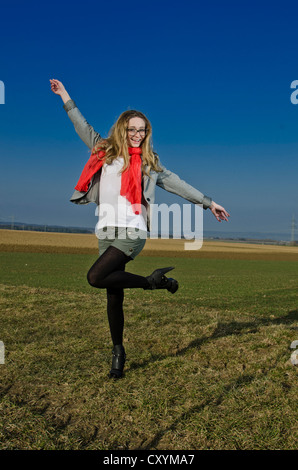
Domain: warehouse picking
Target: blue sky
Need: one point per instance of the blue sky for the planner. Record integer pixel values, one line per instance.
(213, 78)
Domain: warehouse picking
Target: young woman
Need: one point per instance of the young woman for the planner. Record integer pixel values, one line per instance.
(120, 177)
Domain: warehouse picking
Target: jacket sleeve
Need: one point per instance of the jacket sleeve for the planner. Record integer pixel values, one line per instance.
(171, 182)
(85, 131)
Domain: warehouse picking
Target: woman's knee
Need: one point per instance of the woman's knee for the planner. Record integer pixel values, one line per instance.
(94, 278)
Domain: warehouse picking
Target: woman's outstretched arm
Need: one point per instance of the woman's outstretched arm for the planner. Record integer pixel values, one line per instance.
(219, 212)
(174, 184)
(85, 131)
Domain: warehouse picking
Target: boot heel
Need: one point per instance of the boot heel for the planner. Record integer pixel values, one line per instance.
(118, 362)
(158, 280)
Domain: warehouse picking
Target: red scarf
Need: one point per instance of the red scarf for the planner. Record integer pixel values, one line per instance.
(131, 178)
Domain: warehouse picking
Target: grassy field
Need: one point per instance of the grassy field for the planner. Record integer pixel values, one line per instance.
(207, 368)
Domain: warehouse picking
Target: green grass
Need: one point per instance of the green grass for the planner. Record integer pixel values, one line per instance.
(207, 368)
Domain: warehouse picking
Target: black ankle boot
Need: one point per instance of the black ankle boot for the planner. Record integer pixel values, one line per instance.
(118, 362)
(158, 280)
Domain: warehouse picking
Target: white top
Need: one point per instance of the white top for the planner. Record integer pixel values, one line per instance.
(115, 210)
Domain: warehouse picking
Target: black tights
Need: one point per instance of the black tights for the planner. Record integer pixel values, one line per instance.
(108, 272)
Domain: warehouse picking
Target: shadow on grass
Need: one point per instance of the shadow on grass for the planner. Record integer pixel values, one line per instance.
(240, 381)
(238, 328)
(223, 330)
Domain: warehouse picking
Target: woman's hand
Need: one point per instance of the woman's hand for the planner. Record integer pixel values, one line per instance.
(58, 88)
(219, 212)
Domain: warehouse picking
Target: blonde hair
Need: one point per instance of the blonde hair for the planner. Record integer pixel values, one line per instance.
(116, 145)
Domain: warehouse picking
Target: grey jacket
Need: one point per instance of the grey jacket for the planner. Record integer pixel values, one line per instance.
(165, 179)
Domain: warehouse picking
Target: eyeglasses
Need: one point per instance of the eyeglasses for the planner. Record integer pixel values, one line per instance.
(133, 131)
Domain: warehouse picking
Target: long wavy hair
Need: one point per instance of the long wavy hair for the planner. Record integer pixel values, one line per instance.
(116, 145)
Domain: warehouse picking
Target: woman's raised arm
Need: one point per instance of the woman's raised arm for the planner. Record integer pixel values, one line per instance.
(85, 131)
(58, 88)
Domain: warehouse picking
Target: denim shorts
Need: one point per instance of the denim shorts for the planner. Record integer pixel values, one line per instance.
(129, 240)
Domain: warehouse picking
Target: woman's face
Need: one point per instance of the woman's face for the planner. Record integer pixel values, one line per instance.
(134, 138)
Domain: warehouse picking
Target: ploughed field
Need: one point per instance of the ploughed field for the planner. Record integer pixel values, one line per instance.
(45, 242)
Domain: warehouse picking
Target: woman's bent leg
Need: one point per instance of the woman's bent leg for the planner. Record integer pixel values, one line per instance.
(106, 272)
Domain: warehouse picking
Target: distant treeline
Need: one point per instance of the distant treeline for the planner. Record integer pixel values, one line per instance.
(44, 228)
(207, 236)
